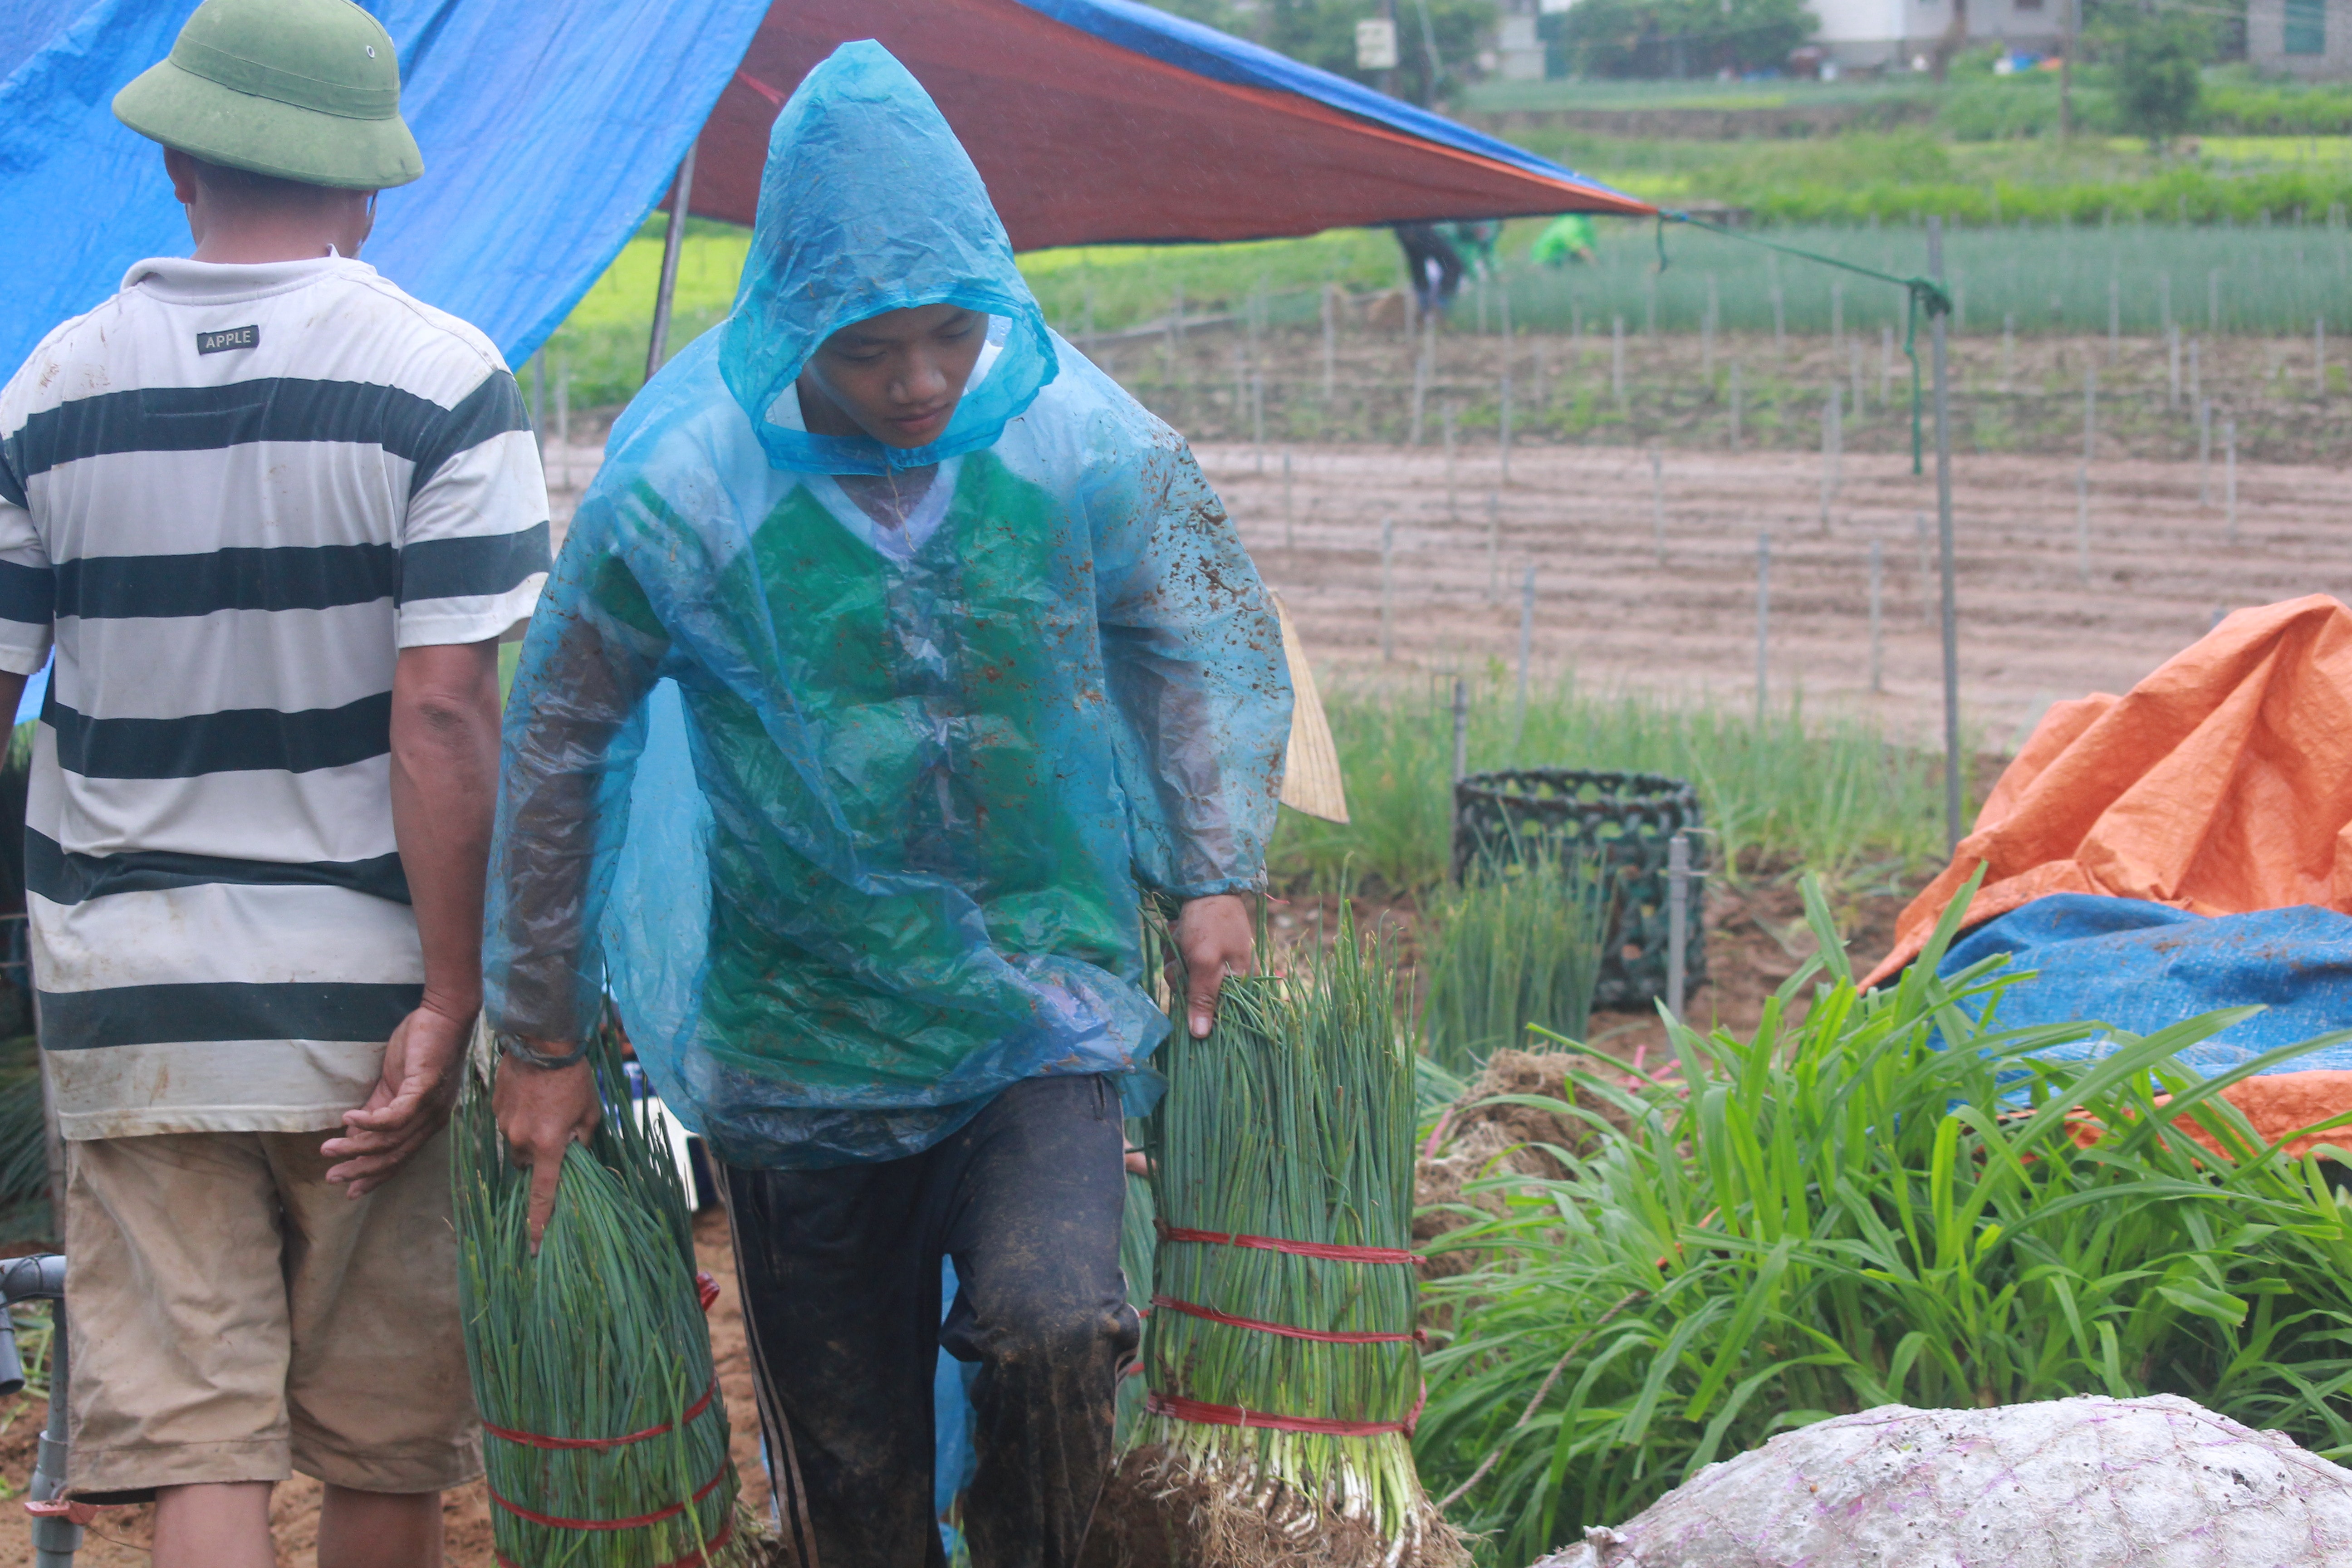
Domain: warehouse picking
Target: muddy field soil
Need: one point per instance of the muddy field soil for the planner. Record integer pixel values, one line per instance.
(1647, 573)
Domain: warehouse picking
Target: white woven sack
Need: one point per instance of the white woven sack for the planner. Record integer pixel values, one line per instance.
(2158, 1482)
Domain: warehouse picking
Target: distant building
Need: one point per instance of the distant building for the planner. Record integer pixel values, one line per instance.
(1893, 33)
(2309, 38)
(1518, 51)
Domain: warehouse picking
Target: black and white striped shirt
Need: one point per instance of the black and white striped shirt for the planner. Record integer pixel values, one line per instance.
(231, 494)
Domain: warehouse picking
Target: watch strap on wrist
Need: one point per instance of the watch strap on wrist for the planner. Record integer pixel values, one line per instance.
(514, 1046)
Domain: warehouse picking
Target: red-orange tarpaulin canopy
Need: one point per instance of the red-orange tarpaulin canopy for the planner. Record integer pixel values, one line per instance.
(1096, 121)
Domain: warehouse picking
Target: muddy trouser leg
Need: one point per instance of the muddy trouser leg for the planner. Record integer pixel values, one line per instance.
(840, 1272)
(843, 1311)
(1035, 1193)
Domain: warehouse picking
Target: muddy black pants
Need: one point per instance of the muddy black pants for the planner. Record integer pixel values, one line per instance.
(840, 1276)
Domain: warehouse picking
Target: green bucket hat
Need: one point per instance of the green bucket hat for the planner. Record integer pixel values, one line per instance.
(303, 90)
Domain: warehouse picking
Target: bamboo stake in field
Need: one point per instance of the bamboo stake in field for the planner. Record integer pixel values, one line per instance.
(2172, 369)
(1388, 589)
(1330, 341)
(1494, 547)
(2090, 409)
(1420, 379)
(1829, 442)
(1503, 430)
(1658, 504)
(2319, 356)
(2196, 379)
(2204, 451)
(1527, 651)
(2083, 520)
(1763, 625)
(1854, 356)
(1706, 335)
(2229, 474)
(1445, 429)
(1735, 405)
(1877, 587)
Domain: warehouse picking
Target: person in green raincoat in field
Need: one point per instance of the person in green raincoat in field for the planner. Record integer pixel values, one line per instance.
(895, 658)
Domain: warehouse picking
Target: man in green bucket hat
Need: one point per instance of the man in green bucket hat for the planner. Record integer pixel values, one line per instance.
(272, 516)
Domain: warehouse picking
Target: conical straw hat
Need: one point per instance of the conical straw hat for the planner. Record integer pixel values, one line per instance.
(1310, 762)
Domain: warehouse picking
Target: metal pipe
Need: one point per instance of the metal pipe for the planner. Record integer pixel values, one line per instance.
(1952, 759)
(673, 242)
(1678, 876)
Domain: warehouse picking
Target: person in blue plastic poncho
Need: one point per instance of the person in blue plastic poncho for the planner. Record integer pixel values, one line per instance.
(895, 655)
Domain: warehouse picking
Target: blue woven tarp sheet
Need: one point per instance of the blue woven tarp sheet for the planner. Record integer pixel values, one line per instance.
(2139, 967)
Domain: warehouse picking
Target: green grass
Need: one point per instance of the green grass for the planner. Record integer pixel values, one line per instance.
(1518, 942)
(1839, 1214)
(1829, 794)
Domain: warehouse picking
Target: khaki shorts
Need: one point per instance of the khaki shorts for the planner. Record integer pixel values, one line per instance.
(232, 1316)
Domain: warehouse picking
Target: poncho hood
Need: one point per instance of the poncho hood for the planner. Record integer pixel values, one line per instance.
(868, 204)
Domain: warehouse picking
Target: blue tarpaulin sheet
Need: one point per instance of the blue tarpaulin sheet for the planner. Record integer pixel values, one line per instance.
(550, 131)
(2139, 967)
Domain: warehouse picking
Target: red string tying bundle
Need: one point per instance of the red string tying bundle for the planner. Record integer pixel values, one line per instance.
(1207, 1414)
(533, 1440)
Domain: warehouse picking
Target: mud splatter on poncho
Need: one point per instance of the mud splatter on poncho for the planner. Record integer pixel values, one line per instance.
(854, 835)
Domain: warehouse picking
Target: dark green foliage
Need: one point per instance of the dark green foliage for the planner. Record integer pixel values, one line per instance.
(1840, 1214)
(598, 1335)
(2154, 57)
(1679, 38)
(1323, 32)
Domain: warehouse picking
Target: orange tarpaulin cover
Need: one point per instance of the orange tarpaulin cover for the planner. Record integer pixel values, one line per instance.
(2220, 784)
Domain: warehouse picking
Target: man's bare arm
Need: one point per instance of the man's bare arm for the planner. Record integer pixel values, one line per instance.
(445, 775)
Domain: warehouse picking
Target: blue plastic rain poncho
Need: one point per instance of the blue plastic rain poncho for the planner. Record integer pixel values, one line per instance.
(851, 817)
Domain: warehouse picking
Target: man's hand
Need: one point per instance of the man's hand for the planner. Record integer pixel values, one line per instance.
(541, 1114)
(409, 1104)
(1215, 936)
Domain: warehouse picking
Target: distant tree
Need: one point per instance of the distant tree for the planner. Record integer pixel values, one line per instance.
(2156, 56)
(1323, 32)
(1656, 38)
(1221, 14)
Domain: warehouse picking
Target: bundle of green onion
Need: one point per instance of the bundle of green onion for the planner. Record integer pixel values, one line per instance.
(605, 1437)
(1283, 1370)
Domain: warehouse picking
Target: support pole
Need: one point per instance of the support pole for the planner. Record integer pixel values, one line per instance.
(1678, 879)
(1953, 763)
(1527, 651)
(1388, 589)
(1763, 622)
(1877, 621)
(1494, 547)
(1461, 731)
(673, 243)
